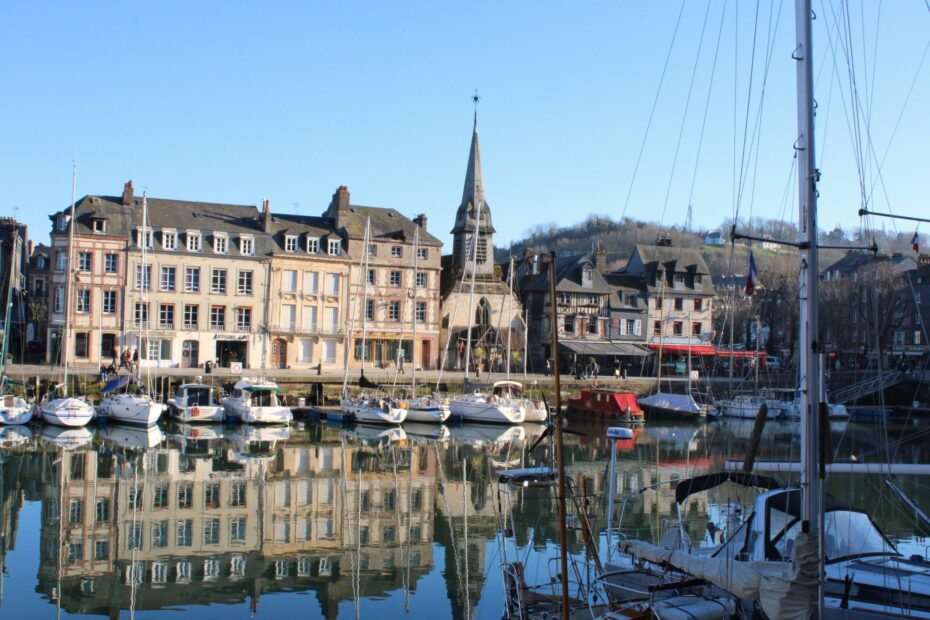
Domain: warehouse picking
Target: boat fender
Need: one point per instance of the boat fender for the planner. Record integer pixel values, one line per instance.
(492, 399)
(195, 411)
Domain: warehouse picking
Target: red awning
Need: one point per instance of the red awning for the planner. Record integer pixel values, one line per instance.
(695, 349)
(741, 354)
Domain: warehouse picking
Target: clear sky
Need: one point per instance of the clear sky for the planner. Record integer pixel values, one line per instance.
(236, 101)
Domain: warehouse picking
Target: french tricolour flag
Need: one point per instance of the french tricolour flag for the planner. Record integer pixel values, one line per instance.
(915, 243)
(751, 275)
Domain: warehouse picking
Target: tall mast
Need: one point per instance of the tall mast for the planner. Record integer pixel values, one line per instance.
(474, 269)
(509, 312)
(809, 366)
(413, 337)
(365, 242)
(8, 311)
(146, 284)
(70, 275)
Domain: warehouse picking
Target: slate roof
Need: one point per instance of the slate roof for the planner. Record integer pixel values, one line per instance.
(385, 224)
(680, 259)
(472, 192)
(853, 261)
(568, 278)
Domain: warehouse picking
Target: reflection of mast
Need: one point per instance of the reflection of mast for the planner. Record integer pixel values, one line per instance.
(465, 542)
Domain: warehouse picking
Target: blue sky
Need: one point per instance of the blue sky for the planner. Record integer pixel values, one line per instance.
(236, 101)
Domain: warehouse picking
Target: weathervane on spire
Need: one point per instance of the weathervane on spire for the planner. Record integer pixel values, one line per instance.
(475, 98)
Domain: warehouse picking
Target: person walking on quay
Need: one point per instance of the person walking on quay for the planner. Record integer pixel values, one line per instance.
(548, 366)
(135, 359)
(125, 361)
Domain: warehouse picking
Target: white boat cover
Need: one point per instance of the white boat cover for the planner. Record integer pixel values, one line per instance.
(784, 590)
(671, 402)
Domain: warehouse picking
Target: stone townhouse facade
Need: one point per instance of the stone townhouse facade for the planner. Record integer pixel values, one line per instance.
(391, 287)
(680, 295)
(201, 282)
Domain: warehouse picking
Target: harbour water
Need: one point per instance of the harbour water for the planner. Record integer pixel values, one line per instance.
(324, 521)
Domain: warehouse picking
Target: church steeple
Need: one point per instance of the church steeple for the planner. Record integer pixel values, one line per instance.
(468, 224)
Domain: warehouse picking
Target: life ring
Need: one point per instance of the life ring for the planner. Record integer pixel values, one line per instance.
(492, 399)
(195, 411)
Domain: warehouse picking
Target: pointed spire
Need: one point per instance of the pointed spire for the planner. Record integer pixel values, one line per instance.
(474, 181)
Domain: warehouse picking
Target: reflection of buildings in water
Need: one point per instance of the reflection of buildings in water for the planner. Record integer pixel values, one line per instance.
(165, 528)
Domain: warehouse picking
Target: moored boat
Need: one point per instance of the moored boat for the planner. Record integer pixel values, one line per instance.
(674, 406)
(607, 403)
(15, 410)
(196, 403)
(257, 401)
(67, 411)
(373, 410)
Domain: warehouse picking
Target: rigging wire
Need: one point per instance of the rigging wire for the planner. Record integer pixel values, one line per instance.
(655, 102)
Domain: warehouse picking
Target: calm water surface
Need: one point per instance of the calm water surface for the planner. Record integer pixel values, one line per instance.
(320, 521)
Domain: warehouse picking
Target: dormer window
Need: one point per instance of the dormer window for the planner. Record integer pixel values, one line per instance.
(659, 275)
(145, 238)
(313, 245)
(247, 246)
(61, 223)
(194, 241)
(169, 240)
(335, 247)
(698, 280)
(220, 243)
(587, 276)
(99, 225)
(679, 280)
(290, 243)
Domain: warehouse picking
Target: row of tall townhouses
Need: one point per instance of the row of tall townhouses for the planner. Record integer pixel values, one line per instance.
(195, 282)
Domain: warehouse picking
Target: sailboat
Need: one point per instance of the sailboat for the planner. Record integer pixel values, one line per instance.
(125, 401)
(14, 409)
(367, 408)
(64, 410)
(802, 553)
(430, 409)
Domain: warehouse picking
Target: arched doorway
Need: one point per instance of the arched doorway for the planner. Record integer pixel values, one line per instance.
(279, 353)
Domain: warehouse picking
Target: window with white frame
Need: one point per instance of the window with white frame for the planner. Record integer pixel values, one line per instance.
(143, 277)
(83, 301)
(218, 281)
(332, 320)
(61, 261)
(397, 251)
(194, 241)
(85, 262)
(372, 278)
(334, 247)
(220, 243)
(313, 245)
(168, 278)
(289, 280)
(289, 317)
(243, 319)
(110, 263)
(59, 304)
(394, 311)
(290, 243)
(311, 282)
(309, 318)
(421, 280)
(247, 246)
(109, 302)
(372, 249)
(244, 282)
(329, 351)
(169, 240)
(423, 253)
(191, 316)
(370, 309)
(421, 312)
(332, 283)
(140, 317)
(100, 225)
(166, 316)
(145, 237)
(395, 278)
(218, 317)
(192, 280)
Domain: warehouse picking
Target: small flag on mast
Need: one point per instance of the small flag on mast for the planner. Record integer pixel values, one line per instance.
(915, 243)
(751, 275)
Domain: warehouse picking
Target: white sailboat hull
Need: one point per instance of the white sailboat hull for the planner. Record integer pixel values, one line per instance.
(427, 413)
(196, 414)
(478, 409)
(237, 410)
(15, 410)
(373, 413)
(69, 412)
(134, 409)
(536, 411)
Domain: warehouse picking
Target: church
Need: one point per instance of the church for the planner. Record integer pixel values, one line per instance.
(480, 314)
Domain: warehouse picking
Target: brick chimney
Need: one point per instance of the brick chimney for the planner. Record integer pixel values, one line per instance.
(127, 193)
(266, 215)
(600, 260)
(341, 197)
(420, 221)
